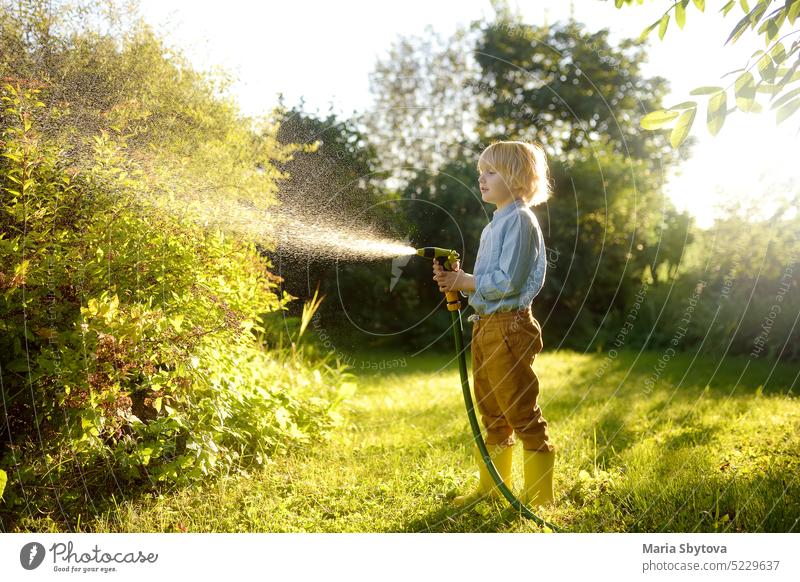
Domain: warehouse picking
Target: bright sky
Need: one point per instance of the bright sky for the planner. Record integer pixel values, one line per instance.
(324, 51)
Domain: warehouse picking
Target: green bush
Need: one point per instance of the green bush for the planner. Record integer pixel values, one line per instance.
(131, 332)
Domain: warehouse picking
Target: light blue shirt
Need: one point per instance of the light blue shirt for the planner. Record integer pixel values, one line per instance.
(511, 263)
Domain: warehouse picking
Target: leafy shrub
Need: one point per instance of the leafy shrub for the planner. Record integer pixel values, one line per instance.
(129, 334)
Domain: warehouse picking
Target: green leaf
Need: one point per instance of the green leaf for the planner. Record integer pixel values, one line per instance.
(772, 31)
(794, 10)
(3, 481)
(662, 26)
(717, 109)
(684, 105)
(680, 14)
(787, 110)
(682, 127)
(706, 91)
(89, 427)
(757, 12)
(658, 118)
(18, 366)
(778, 53)
(745, 7)
(701, 4)
(789, 75)
(740, 27)
(647, 30)
(766, 68)
(762, 87)
(785, 97)
(745, 91)
(727, 8)
(176, 322)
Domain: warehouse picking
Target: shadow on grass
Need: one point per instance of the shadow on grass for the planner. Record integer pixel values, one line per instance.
(714, 500)
(499, 516)
(379, 363)
(613, 437)
(738, 374)
(76, 506)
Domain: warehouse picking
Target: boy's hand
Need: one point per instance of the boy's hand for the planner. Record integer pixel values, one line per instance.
(455, 280)
(437, 268)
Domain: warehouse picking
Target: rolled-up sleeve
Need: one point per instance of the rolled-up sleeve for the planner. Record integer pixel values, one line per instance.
(517, 255)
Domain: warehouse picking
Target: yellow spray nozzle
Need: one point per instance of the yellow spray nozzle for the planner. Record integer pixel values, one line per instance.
(446, 256)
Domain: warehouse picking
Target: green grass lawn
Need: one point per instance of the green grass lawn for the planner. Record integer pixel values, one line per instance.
(712, 448)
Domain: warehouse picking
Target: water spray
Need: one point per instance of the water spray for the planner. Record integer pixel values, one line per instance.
(447, 258)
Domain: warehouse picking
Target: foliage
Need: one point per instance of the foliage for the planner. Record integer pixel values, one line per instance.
(131, 330)
(566, 88)
(772, 71)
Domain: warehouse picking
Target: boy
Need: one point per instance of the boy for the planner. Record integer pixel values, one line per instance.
(509, 273)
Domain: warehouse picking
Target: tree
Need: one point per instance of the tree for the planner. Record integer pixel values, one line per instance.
(565, 87)
(422, 106)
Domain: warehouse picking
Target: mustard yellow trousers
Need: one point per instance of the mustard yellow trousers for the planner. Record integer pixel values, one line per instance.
(506, 388)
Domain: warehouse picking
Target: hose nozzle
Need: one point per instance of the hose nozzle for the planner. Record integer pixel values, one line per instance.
(445, 257)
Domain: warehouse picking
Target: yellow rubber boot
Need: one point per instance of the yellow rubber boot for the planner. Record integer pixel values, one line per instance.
(538, 469)
(501, 457)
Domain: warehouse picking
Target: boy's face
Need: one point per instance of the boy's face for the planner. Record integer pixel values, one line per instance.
(494, 188)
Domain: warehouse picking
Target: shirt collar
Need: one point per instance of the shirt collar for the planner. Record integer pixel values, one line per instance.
(508, 209)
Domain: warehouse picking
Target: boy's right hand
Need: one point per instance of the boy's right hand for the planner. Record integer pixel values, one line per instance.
(437, 268)
(455, 280)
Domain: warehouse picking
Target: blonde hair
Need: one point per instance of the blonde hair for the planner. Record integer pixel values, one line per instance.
(523, 166)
